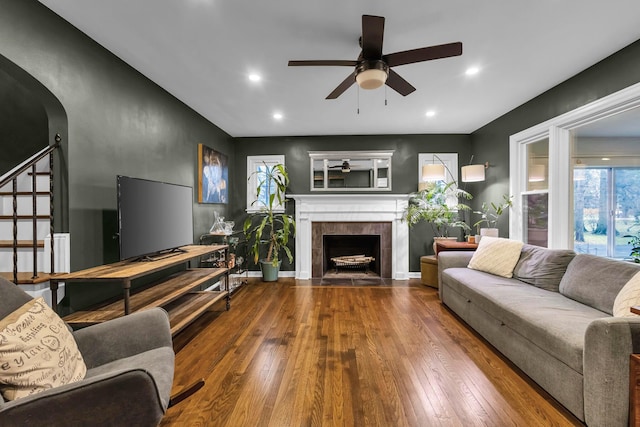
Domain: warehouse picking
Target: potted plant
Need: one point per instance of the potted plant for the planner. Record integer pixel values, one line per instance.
(270, 227)
(490, 212)
(634, 241)
(430, 205)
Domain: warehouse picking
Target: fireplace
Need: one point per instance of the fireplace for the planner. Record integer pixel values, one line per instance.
(351, 253)
(332, 239)
(348, 215)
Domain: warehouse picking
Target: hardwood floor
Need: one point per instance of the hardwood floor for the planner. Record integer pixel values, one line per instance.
(294, 354)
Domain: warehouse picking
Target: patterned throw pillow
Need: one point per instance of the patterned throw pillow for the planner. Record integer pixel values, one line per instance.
(496, 255)
(628, 297)
(37, 352)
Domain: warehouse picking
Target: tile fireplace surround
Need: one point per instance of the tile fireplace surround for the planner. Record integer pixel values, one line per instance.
(344, 208)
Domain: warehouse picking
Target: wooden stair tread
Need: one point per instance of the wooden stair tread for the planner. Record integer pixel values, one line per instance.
(24, 193)
(157, 295)
(27, 278)
(21, 217)
(21, 243)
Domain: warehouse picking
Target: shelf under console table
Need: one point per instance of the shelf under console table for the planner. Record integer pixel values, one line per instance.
(176, 292)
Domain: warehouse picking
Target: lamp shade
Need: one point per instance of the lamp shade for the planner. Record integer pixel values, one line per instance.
(472, 173)
(537, 173)
(433, 173)
(371, 79)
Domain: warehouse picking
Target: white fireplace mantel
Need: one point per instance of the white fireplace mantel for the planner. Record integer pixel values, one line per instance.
(351, 208)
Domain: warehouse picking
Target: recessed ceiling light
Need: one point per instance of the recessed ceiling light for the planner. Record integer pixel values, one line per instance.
(430, 113)
(255, 77)
(606, 158)
(277, 116)
(472, 71)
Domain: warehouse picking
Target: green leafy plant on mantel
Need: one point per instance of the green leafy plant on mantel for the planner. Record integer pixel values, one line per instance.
(491, 212)
(270, 227)
(430, 205)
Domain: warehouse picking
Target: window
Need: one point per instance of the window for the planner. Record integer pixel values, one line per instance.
(606, 194)
(256, 166)
(593, 157)
(450, 162)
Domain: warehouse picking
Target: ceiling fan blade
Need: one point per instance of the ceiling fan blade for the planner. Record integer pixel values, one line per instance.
(346, 83)
(372, 35)
(400, 85)
(423, 54)
(323, 63)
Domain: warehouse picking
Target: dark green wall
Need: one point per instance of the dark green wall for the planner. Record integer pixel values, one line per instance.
(24, 129)
(404, 167)
(119, 122)
(491, 142)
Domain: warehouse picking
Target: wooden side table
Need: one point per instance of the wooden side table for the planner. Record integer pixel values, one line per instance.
(448, 245)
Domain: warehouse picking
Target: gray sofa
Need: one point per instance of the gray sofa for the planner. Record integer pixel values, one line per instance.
(554, 321)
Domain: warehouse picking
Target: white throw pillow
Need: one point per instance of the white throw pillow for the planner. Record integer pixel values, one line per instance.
(496, 255)
(628, 297)
(37, 352)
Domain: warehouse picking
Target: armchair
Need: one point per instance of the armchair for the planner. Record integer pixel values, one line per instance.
(130, 363)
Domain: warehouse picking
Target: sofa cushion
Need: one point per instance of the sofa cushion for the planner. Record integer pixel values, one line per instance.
(628, 297)
(542, 267)
(549, 320)
(596, 281)
(496, 256)
(38, 351)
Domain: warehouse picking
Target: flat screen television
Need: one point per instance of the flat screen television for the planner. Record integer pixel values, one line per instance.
(153, 217)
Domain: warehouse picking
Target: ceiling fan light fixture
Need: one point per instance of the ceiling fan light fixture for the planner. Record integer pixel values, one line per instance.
(371, 74)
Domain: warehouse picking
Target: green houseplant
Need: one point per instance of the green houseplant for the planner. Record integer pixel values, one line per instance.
(634, 241)
(430, 205)
(490, 213)
(270, 227)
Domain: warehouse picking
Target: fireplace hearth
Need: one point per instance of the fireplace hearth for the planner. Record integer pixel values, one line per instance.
(341, 214)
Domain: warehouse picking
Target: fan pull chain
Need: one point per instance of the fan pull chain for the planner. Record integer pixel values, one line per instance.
(385, 95)
(358, 107)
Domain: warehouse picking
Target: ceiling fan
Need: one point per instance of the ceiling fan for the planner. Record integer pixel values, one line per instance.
(345, 167)
(373, 69)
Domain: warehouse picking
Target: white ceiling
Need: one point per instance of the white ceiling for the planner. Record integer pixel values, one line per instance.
(202, 52)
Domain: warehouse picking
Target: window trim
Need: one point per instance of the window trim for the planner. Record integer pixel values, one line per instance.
(252, 183)
(558, 130)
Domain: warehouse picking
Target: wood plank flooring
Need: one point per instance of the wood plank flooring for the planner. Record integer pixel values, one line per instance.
(294, 354)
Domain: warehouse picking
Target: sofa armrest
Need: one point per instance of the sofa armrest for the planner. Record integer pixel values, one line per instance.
(124, 337)
(100, 400)
(452, 259)
(608, 344)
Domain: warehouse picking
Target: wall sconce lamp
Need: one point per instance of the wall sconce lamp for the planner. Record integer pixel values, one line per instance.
(473, 173)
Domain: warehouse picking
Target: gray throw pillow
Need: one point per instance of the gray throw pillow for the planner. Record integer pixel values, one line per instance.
(596, 281)
(543, 267)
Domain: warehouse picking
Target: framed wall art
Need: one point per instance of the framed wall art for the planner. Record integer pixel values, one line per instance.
(213, 176)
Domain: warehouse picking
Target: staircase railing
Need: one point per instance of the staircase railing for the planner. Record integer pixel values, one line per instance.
(12, 177)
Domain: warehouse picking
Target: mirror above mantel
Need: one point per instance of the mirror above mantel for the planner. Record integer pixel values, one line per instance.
(351, 171)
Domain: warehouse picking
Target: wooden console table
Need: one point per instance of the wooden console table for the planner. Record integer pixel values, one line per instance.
(175, 292)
